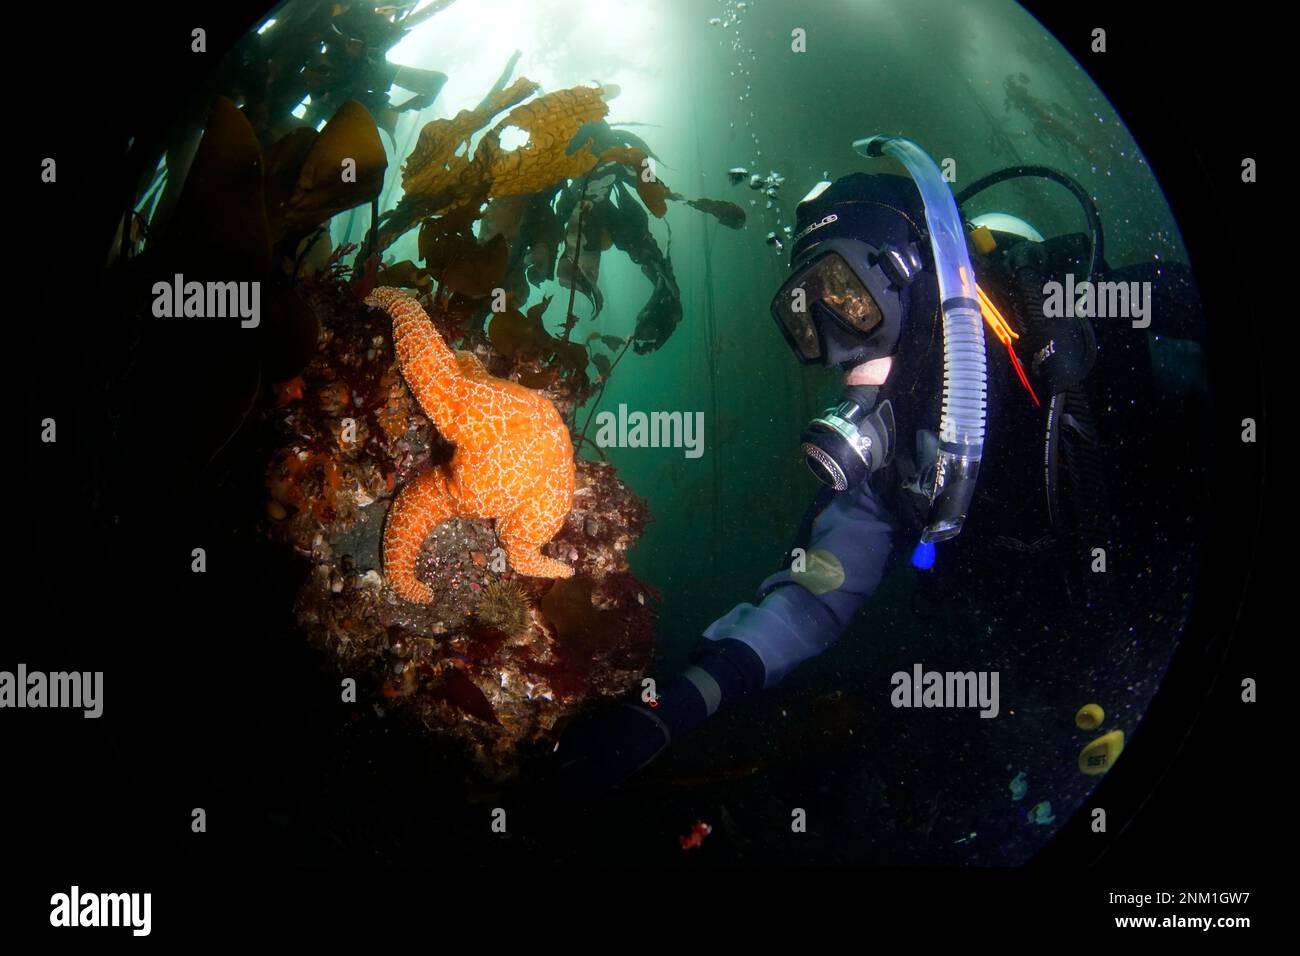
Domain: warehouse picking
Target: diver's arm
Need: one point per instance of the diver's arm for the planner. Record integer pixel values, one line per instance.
(799, 614)
(802, 613)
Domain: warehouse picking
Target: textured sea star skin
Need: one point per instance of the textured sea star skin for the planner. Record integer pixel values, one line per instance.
(513, 459)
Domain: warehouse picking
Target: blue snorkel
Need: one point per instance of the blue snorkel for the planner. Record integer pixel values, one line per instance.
(962, 418)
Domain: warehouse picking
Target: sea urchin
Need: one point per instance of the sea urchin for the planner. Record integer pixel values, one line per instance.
(504, 605)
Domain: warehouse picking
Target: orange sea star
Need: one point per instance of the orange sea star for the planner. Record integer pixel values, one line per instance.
(513, 459)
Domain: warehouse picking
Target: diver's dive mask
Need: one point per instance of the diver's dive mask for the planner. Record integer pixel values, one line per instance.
(841, 305)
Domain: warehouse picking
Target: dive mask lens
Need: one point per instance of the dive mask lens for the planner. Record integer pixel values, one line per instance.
(828, 281)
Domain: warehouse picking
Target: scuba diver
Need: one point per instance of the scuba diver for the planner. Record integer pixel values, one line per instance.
(884, 286)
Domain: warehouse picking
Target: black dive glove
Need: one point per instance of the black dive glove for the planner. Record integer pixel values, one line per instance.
(606, 746)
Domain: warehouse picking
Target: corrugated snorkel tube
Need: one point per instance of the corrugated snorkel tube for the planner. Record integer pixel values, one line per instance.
(961, 419)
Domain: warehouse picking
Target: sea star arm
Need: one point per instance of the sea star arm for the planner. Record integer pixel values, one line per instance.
(520, 538)
(422, 505)
(434, 373)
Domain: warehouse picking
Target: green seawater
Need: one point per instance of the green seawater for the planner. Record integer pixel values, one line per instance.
(785, 88)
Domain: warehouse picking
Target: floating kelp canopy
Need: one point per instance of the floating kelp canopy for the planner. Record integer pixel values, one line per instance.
(547, 209)
(490, 220)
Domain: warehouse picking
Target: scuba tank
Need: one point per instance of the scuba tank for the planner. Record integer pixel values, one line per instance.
(1061, 352)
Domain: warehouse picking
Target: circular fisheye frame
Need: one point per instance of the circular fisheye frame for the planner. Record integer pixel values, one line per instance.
(438, 362)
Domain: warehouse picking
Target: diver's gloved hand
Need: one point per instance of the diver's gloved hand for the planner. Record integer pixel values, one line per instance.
(603, 748)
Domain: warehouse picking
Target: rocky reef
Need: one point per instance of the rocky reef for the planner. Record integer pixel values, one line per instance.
(495, 659)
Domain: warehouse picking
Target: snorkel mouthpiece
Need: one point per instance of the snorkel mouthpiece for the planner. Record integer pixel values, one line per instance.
(962, 415)
(954, 485)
